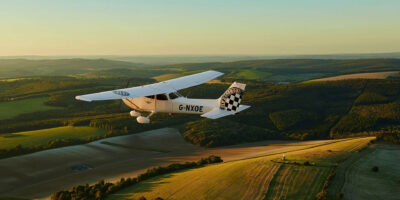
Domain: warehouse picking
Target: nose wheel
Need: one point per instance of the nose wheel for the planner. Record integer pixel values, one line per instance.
(135, 113)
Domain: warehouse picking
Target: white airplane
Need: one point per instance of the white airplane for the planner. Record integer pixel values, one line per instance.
(163, 97)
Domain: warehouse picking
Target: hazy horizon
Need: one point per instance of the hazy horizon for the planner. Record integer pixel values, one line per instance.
(184, 55)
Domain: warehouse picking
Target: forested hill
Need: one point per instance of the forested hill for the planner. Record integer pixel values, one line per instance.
(292, 70)
(319, 110)
(303, 65)
(13, 68)
(314, 110)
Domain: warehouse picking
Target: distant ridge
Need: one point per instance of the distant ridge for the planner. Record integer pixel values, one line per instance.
(176, 59)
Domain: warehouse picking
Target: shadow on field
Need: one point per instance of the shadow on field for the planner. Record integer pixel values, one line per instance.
(145, 186)
(149, 186)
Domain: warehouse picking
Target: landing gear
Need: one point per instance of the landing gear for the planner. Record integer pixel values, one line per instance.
(135, 113)
(144, 120)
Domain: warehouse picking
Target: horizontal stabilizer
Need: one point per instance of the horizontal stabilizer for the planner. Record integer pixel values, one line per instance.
(218, 113)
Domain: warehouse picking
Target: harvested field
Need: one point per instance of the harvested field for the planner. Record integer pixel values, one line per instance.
(297, 182)
(374, 75)
(248, 179)
(254, 178)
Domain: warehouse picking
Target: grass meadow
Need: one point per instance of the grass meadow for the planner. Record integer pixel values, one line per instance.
(253, 74)
(41, 137)
(12, 109)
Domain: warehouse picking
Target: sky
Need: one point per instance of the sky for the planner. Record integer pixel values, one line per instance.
(190, 27)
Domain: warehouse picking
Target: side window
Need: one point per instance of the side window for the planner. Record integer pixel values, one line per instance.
(150, 97)
(162, 97)
(173, 96)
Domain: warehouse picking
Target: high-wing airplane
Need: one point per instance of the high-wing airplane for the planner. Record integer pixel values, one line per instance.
(163, 97)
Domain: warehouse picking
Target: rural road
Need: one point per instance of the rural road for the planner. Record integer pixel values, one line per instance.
(38, 175)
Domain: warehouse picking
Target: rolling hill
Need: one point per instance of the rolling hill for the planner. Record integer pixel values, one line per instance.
(43, 173)
(293, 110)
(272, 71)
(12, 68)
(264, 177)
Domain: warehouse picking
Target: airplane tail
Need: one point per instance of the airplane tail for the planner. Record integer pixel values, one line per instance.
(232, 97)
(229, 102)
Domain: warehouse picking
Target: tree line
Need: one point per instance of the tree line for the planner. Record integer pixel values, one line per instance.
(101, 189)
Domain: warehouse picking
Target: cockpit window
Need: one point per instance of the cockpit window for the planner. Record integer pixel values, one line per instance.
(173, 96)
(162, 97)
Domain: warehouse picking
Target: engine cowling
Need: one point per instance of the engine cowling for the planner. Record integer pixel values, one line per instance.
(134, 113)
(143, 120)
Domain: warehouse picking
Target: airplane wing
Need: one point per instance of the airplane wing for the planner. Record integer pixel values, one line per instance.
(192, 80)
(218, 113)
(157, 88)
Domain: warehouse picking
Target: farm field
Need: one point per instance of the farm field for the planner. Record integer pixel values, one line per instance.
(373, 75)
(165, 77)
(356, 180)
(45, 172)
(254, 178)
(12, 79)
(41, 137)
(253, 74)
(266, 76)
(12, 109)
(297, 182)
(246, 179)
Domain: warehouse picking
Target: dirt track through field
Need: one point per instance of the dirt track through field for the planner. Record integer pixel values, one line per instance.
(39, 174)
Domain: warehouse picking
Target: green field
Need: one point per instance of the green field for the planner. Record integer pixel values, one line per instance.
(41, 137)
(253, 74)
(12, 109)
(355, 180)
(255, 178)
(272, 76)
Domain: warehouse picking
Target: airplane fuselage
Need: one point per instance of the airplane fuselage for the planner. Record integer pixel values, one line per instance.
(176, 105)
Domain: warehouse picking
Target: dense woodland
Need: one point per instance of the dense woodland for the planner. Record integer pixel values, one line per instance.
(391, 135)
(315, 110)
(318, 110)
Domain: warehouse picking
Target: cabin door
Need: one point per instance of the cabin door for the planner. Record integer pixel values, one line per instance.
(163, 104)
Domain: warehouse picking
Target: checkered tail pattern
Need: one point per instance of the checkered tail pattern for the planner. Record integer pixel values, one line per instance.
(231, 99)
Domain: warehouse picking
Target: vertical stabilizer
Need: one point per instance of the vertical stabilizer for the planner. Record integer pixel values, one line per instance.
(232, 97)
